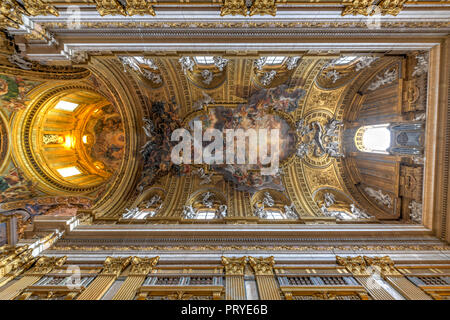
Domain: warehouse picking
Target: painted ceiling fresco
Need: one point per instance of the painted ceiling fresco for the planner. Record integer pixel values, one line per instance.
(258, 113)
(106, 138)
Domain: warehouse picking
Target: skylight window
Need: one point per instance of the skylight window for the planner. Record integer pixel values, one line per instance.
(66, 106)
(205, 214)
(345, 60)
(376, 139)
(69, 171)
(274, 60)
(204, 59)
(275, 215)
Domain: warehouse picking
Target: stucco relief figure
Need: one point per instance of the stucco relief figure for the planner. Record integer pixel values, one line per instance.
(207, 199)
(259, 211)
(289, 211)
(221, 212)
(416, 211)
(205, 177)
(268, 200)
(359, 213)
(188, 212)
(19, 61)
(330, 204)
(379, 196)
(152, 202)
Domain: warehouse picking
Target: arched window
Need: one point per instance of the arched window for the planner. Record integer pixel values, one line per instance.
(376, 138)
(275, 214)
(205, 214)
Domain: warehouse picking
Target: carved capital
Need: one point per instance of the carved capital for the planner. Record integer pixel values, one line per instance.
(141, 7)
(262, 266)
(357, 7)
(142, 266)
(234, 266)
(46, 264)
(112, 7)
(384, 265)
(39, 7)
(392, 7)
(233, 7)
(263, 7)
(114, 266)
(356, 265)
(12, 258)
(10, 14)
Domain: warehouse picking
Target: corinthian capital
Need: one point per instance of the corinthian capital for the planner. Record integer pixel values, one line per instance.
(46, 264)
(142, 266)
(356, 265)
(234, 266)
(262, 266)
(114, 266)
(384, 265)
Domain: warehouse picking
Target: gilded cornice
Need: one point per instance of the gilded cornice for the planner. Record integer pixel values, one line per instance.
(303, 25)
(262, 266)
(318, 248)
(234, 266)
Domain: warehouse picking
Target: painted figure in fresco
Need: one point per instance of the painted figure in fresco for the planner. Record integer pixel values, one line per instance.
(14, 187)
(13, 92)
(107, 129)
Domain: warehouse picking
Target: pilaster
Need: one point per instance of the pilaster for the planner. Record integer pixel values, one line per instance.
(265, 277)
(112, 267)
(234, 278)
(140, 268)
(43, 266)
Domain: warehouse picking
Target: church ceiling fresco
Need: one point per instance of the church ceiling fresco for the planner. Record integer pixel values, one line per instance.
(305, 100)
(105, 138)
